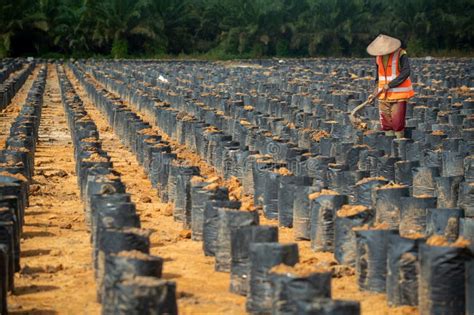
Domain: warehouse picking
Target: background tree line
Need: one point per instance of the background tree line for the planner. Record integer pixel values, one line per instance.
(231, 28)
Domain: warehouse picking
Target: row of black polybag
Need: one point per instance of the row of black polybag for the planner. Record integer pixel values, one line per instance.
(8, 66)
(16, 170)
(128, 278)
(11, 81)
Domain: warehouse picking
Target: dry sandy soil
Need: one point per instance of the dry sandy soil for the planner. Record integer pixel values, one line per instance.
(56, 272)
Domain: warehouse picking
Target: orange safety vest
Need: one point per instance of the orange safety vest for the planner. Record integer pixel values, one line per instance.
(386, 75)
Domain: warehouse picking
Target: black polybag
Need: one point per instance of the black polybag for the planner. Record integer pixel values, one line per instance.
(209, 230)
(470, 285)
(414, 211)
(447, 191)
(7, 216)
(241, 238)
(302, 212)
(229, 220)
(145, 296)
(288, 185)
(199, 198)
(345, 238)
(365, 190)
(288, 289)
(371, 261)
(6, 239)
(437, 220)
(182, 200)
(424, 180)
(270, 195)
(403, 172)
(264, 256)
(118, 268)
(439, 293)
(388, 204)
(466, 198)
(111, 241)
(118, 215)
(323, 213)
(402, 270)
(328, 307)
(466, 230)
(3, 278)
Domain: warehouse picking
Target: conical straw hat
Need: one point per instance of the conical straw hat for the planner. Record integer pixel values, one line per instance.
(383, 45)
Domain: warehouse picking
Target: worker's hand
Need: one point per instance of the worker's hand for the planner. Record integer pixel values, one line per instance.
(385, 88)
(371, 98)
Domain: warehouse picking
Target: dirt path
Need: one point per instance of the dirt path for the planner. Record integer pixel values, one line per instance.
(8, 114)
(56, 274)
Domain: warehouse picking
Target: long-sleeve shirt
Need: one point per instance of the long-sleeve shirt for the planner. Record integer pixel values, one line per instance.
(404, 72)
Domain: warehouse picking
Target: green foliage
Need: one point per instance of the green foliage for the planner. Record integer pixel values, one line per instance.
(223, 29)
(119, 48)
(282, 47)
(3, 50)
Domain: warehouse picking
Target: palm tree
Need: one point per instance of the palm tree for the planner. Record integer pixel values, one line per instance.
(181, 20)
(334, 24)
(118, 21)
(71, 32)
(18, 16)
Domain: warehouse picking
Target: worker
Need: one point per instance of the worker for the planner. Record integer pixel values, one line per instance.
(393, 84)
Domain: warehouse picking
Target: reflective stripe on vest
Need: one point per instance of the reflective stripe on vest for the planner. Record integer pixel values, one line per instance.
(399, 89)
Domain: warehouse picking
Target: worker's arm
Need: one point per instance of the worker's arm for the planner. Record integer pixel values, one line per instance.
(376, 73)
(376, 78)
(404, 72)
